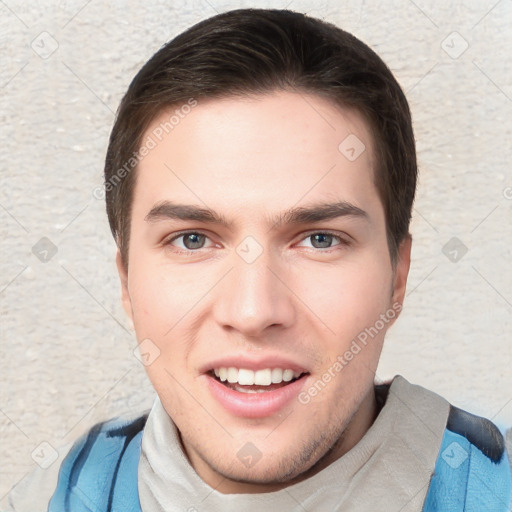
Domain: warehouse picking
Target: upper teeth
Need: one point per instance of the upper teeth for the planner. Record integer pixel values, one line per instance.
(260, 377)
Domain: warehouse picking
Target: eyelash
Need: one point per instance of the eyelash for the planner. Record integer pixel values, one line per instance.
(190, 252)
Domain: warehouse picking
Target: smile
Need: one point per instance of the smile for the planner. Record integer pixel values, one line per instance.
(255, 393)
(264, 377)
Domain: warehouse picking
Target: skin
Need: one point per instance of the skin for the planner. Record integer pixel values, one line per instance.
(250, 160)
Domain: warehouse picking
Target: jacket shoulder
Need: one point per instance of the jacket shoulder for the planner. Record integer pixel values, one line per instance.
(472, 471)
(480, 432)
(101, 467)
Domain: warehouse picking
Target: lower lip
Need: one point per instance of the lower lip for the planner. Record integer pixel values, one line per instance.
(254, 405)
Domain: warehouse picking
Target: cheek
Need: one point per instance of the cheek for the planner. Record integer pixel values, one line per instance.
(349, 295)
(158, 300)
(163, 313)
(160, 321)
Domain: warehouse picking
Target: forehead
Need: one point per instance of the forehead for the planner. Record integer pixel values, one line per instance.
(261, 152)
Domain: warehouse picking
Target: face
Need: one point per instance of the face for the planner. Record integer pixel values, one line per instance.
(259, 273)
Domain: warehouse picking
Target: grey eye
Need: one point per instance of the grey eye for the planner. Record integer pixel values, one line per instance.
(323, 240)
(193, 240)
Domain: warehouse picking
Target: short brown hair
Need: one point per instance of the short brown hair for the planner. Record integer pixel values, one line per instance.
(251, 51)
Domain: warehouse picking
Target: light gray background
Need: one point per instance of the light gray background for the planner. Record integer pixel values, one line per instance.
(66, 348)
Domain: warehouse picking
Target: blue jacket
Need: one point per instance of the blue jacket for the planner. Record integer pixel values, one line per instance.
(472, 473)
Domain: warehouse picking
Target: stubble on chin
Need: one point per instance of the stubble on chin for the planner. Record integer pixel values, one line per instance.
(314, 454)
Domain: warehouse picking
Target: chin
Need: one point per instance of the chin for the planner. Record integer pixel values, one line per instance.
(271, 477)
(279, 468)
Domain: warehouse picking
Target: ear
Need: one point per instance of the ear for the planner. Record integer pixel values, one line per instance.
(125, 294)
(401, 270)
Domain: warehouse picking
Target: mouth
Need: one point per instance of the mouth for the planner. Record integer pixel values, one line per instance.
(244, 380)
(258, 393)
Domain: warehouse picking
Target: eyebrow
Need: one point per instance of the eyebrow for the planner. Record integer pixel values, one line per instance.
(297, 215)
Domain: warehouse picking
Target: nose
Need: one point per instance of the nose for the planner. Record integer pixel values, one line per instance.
(254, 296)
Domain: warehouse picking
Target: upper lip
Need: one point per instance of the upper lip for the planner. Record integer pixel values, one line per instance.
(252, 363)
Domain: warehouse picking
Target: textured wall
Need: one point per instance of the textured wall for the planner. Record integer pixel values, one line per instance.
(66, 348)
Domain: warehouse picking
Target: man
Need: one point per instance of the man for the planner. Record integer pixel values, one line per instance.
(259, 183)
